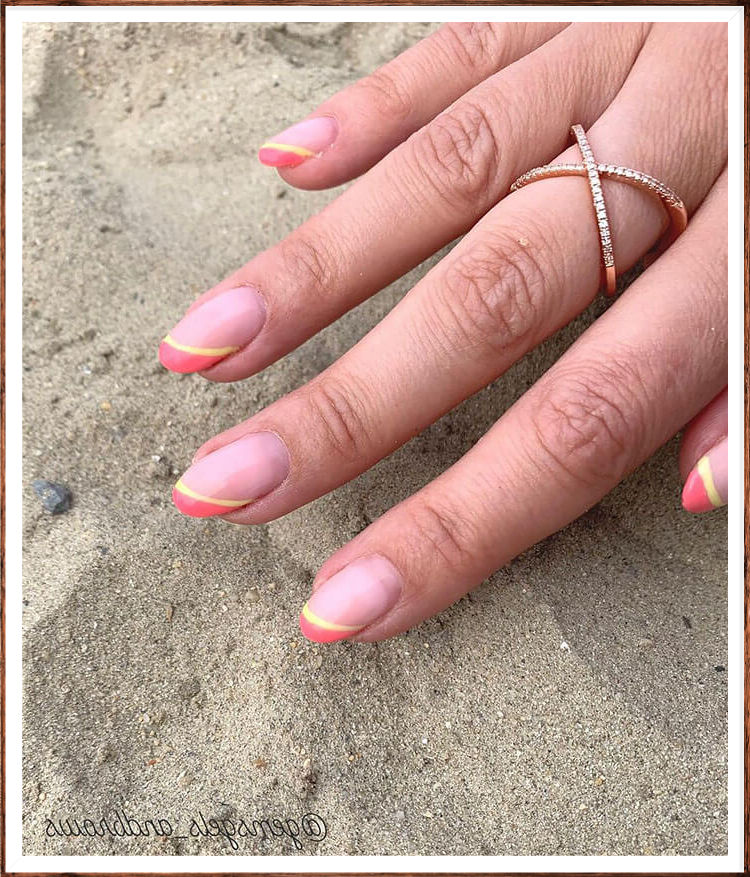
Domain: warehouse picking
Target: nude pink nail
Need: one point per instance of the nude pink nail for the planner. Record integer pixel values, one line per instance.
(302, 141)
(707, 485)
(232, 476)
(351, 599)
(213, 330)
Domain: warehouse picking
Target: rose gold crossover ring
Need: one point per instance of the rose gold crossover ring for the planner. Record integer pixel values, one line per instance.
(673, 204)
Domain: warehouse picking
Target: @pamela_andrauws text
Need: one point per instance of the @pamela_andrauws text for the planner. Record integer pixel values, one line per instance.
(310, 828)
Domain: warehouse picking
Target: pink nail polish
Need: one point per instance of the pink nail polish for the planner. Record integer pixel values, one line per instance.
(302, 141)
(213, 330)
(232, 476)
(351, 599)
(706, 487)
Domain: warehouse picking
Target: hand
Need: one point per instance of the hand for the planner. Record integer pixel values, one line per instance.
(440, 133)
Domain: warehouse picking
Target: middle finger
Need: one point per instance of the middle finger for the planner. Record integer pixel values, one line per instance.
(525, 270)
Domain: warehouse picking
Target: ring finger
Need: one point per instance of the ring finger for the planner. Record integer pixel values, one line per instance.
(525, 270)
(425, 193)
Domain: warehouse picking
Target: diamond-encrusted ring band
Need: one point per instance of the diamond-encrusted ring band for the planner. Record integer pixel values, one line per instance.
(673, 204)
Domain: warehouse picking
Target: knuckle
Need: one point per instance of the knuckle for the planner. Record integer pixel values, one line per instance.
(340, 411)
(309, 263)
(439, 531)
(386, 95)
(458, 154)
(590, 423)
(476, 45)
(491, 298)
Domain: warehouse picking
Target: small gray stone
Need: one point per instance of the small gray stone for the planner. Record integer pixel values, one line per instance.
(55, 497)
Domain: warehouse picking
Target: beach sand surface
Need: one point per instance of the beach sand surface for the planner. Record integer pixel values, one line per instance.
(573, 704)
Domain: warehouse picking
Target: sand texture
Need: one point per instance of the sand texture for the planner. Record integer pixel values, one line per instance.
(575, 704)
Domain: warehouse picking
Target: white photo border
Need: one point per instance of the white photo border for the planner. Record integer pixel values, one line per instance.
(15, 861)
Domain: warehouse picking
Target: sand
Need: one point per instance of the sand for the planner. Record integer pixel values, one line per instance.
(574, 704)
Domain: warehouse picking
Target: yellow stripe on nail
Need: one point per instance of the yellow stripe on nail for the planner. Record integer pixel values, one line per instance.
(326, 625)
(707, 477)
(288, 147)
(201, 351)
(229, 503)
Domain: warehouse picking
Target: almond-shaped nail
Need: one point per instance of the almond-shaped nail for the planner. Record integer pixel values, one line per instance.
(707, 484)
(351, 599)
(232, 476)
(213, 330)
(302, 141)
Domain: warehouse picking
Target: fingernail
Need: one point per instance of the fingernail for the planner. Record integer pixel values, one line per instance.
(233, 476)
(213, 330)
(300, 142)
(707, 484)
(351, 599)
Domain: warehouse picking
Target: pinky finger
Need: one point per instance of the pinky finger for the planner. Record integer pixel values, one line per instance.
(354, 129)
(704, 455)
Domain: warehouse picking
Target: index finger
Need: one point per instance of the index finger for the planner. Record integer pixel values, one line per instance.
(622, 390)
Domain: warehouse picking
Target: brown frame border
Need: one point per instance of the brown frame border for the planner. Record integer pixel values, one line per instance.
(3, 4)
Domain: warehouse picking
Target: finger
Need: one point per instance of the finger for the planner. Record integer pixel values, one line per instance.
(354, 129)
(620, 392)
(421, 196)
(525, 270)
(704, 458)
